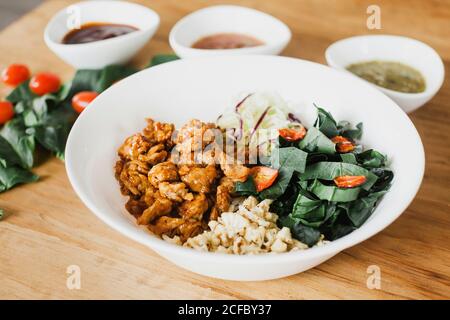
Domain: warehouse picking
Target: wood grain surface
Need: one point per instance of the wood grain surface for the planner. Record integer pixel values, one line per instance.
(47, 228)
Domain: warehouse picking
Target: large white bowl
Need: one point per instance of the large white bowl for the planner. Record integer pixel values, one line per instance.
(202, 88)
(96, 55)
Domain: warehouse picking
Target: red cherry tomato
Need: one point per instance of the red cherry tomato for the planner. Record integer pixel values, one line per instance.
(263, 177)
(15, 74)
(6, 111)
(349, 181)
(82, 99)
(292, 134)
(44, 83)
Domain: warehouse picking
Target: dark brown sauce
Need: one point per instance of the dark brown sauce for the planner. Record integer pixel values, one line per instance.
(227, 41)
(96, 31)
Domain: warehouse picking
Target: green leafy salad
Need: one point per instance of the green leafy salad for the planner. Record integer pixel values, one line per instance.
(326, 182)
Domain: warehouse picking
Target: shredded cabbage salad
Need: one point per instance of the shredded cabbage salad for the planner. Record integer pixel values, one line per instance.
(255, 116)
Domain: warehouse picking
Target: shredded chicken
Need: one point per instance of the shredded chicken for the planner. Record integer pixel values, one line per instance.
(176, 181)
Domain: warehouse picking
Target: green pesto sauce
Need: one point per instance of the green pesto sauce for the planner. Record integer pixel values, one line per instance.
(390, 75)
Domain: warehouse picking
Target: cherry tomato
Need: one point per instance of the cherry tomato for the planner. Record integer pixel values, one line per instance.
(44, 83)
(349, 181)
(292, 134)
(343, 145)
(6, 111)
(263, 177)
(15, 74)
(82, 99)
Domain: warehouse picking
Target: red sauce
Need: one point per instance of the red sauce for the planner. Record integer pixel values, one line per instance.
(227, 41)
(96, 31)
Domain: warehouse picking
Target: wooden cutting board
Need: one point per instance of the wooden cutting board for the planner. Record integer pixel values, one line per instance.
(47, 228)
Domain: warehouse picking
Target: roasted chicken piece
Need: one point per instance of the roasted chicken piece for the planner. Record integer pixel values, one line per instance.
(189, 229)
(195, 208)
(161, 206)
(133, 147)
(175, 191)
(223, 194)
(164, 225)
(164, 171)
(132, 176)
(200, 179)
(135, 207)
(236, 172)
(192, 139)
(223, 198)
(198, 133)
(159, 133)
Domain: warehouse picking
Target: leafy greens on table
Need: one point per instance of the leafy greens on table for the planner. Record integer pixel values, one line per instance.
(46, 120)
(305, 197)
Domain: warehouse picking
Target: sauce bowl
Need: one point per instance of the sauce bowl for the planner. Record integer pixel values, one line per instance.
(229, 19)
(409, 51)
(95, 55)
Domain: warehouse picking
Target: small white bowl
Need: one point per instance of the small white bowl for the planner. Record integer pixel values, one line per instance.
(98, 54)
(392, 48)
(229, 19)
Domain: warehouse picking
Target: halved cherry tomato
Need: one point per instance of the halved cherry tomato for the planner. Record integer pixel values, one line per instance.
(6, 111)
(82, 99)
(349, 181)
(15, 74)
(292, 134)
(263, 177)
(343, 145)
(44, 83)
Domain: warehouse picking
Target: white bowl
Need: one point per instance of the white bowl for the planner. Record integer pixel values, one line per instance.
(201, 88)
(392, 48)
(95, 55)
(229, 19)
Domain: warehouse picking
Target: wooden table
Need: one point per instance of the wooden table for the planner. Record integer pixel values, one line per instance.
(47, 228)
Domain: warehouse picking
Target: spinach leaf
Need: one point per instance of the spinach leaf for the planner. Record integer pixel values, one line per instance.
(333, 193)
(338, 231)
(289, 158)
(246, 188)
(371, 159)
(305, 234)
(330, 170)
(283, 205)
(304, 205)
(21, 93)
(162, 58)
(384, 179)
(280, 185)
(99, 80)
(349, 158)
(316, 141)
(2, 213)
(360, 210)
(326, 123)
(345, 129)
(13, 175)
(313, 213)
(16, 147)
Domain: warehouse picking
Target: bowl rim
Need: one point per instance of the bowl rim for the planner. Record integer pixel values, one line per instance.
(429, 91)
(167, 249)
(154, 24)
(283, 41)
